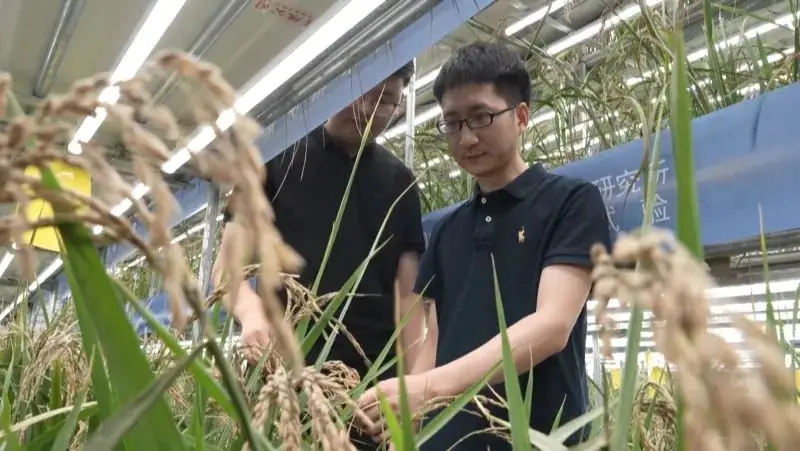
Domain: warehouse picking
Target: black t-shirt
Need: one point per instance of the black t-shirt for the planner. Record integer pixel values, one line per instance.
(306, 184)
(537, 220)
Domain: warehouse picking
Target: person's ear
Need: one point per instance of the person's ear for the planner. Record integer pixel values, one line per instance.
(523, 115)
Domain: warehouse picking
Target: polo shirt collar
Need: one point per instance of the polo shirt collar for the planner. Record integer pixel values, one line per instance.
(522, 186)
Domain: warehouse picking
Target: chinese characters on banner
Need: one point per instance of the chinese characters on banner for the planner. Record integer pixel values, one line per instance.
(615, 187)
(285, 11)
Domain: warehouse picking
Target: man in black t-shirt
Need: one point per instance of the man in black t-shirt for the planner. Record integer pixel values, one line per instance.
(523, 228)
(306, 184)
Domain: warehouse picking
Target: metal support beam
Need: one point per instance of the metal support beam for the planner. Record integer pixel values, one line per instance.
(597, 366)
(62, 33)
(411, 105)
(207, 256)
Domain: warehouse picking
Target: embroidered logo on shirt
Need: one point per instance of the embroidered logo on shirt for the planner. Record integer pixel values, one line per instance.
(521, 235)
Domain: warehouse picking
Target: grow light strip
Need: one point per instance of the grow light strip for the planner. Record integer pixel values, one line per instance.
(759, 30)
(511, 30)
(309, 48)
(630, 12)
(535, 16)
(158, 20)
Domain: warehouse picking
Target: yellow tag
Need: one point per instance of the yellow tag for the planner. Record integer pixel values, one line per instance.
(70, 177)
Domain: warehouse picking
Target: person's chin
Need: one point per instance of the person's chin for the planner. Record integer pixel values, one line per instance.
(475, 167)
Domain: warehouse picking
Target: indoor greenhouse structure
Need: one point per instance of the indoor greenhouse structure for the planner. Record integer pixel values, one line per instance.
(604, 110)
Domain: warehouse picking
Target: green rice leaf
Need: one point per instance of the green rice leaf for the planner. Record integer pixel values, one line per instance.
(103, 314)
(516, 406)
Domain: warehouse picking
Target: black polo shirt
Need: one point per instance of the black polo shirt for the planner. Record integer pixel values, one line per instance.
(306, 184)
(537, 220)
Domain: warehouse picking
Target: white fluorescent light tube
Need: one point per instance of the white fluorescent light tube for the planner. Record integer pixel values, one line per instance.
(146, 38)
(7, 259)
(785, 20)
(535, 16)
(570, 41)
(588, 32)
(732, 291)
(697, 55)
(341, 22)
(309, 47)
(419, 119)
(49, 271)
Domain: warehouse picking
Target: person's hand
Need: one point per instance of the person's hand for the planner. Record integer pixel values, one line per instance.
(418, 393)
(255, 338)
(255, 328)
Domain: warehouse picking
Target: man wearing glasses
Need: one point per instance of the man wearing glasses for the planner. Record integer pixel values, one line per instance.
(306, 185)
(528, 231)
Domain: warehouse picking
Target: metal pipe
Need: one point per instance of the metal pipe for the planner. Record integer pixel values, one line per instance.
(62, 34)
(336, 62)
(207, 252)
(411, 105)
(223, 17)
(352, 35)
(597, 366)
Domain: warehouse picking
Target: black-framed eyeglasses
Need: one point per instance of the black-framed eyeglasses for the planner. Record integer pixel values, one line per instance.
(479, 120)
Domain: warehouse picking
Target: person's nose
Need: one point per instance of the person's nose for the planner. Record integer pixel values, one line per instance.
(467, 137)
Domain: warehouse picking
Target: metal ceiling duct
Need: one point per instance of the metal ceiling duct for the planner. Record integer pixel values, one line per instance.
(62, 33)
(345, 53)
(222, 18)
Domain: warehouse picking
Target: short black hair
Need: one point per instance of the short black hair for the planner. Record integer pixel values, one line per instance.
(405, 73)
(485, 62)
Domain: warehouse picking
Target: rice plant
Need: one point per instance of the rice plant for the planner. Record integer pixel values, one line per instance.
(86, 381)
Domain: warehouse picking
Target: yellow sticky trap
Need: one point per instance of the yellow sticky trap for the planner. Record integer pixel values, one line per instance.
(69, 177)
(658, 376)
(616, 378)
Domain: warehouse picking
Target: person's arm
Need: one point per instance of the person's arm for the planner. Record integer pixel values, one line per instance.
(408, 304)
(248, 310)
(426, 357)
(247, 301)
(562, 293)
(564, 287)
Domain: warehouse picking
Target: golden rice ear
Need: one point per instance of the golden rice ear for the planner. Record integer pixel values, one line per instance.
(725, 404)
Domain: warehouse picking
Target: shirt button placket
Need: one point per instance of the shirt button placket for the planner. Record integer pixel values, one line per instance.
(483, 202)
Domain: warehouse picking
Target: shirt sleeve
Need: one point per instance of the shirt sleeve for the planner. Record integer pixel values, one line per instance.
(582, 223)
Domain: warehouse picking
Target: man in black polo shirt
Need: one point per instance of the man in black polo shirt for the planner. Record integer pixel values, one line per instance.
(535, 228)
(306, 184)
